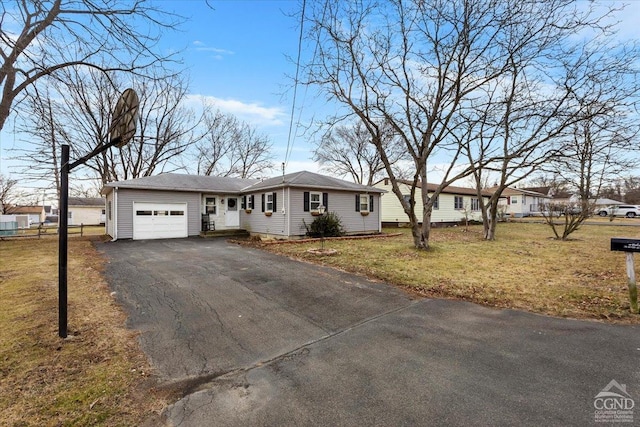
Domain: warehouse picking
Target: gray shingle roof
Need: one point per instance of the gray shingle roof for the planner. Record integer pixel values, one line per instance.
(198, 183)
(181, 182)
(305, 179)
(86, 201)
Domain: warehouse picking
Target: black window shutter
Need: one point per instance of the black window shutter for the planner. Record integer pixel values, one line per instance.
(370, 202)
(357, 203)
(325, 201)
(306, 201)
(243, 203)
(262, 202)
(275, 206)
(252, 203)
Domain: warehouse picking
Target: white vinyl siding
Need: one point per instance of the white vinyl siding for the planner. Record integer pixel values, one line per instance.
(392, 211)
(87, 215)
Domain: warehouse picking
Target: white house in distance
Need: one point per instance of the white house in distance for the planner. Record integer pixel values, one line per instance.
(449, 208)
(520, 202)
(34, 214)
(86, 210)
(176, 205)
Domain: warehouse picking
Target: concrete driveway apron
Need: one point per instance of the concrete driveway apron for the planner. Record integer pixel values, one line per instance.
(251, 338)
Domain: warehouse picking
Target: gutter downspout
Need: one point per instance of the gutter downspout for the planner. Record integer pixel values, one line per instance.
(115, 214)
(379, 212)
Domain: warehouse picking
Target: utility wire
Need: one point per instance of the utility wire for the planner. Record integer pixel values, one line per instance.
(290, 141)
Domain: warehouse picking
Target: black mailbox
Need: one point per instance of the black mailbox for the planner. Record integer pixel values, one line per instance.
(625, 245)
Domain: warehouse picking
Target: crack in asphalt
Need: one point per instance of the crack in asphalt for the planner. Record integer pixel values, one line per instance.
(186, 387)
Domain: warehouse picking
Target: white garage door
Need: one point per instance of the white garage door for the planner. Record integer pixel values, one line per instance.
(159, 220)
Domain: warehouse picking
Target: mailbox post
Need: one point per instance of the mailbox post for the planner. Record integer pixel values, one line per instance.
(629, 246)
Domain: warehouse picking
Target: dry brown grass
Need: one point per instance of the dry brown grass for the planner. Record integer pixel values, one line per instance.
(523, 269)
(97, 376)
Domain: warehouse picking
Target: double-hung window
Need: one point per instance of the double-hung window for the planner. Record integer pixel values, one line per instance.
(364, 203)
(458, 202)
(246, 202)
(436, 202)
(268, 203)
(210, 205)
(475, 204)
(315, 200)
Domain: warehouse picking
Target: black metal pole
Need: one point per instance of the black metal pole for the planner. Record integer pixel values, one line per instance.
(63, 219)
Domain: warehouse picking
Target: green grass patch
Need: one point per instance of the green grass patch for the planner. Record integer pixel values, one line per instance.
(523, 269)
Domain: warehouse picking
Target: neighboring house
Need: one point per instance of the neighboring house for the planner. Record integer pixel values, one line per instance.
(450, 207)
(35, 214)
(604, 202)
(596, 204)
(86, 210)
(520, 202)
(174, 205)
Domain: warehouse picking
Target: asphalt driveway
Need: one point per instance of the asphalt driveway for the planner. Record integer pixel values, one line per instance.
(247, 337)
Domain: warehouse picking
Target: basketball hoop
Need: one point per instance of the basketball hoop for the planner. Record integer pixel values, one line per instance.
(125, 115)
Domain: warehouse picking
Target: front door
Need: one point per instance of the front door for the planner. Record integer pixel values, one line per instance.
(232, 215)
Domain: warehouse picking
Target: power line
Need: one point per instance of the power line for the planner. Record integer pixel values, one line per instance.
(295, 85)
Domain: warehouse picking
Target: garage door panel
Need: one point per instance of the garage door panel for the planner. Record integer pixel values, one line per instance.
(159, 220)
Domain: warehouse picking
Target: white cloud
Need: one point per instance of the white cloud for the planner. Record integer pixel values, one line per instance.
(301, 165)
(251, 112)
(202, 47)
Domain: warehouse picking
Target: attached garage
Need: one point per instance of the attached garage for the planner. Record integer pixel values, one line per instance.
(166, 206)
(159, 220)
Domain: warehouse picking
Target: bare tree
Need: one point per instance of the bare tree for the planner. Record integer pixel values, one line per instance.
(632, 190)
(520, 126)
(423, 67)
(599, 147)
(40, 157)
(81, 119)
(9, 194)
(251, 155)
(41, 38)
(230, 147)
(347, 150)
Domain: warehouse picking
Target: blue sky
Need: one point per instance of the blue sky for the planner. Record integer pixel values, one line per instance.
(239, 55)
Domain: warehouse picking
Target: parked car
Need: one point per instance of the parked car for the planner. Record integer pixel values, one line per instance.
(629, 211)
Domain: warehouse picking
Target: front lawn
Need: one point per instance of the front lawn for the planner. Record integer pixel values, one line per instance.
(98, 375)
(523, 269)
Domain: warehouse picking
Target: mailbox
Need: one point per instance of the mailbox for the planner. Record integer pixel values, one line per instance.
(625, 245)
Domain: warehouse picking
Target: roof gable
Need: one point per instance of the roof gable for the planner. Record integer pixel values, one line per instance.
(306, 179)
(450, 189)
(86, 201)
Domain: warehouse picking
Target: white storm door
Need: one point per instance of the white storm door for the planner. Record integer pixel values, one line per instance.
(232, 214)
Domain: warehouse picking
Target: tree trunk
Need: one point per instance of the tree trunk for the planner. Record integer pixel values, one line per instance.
(489, 230)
